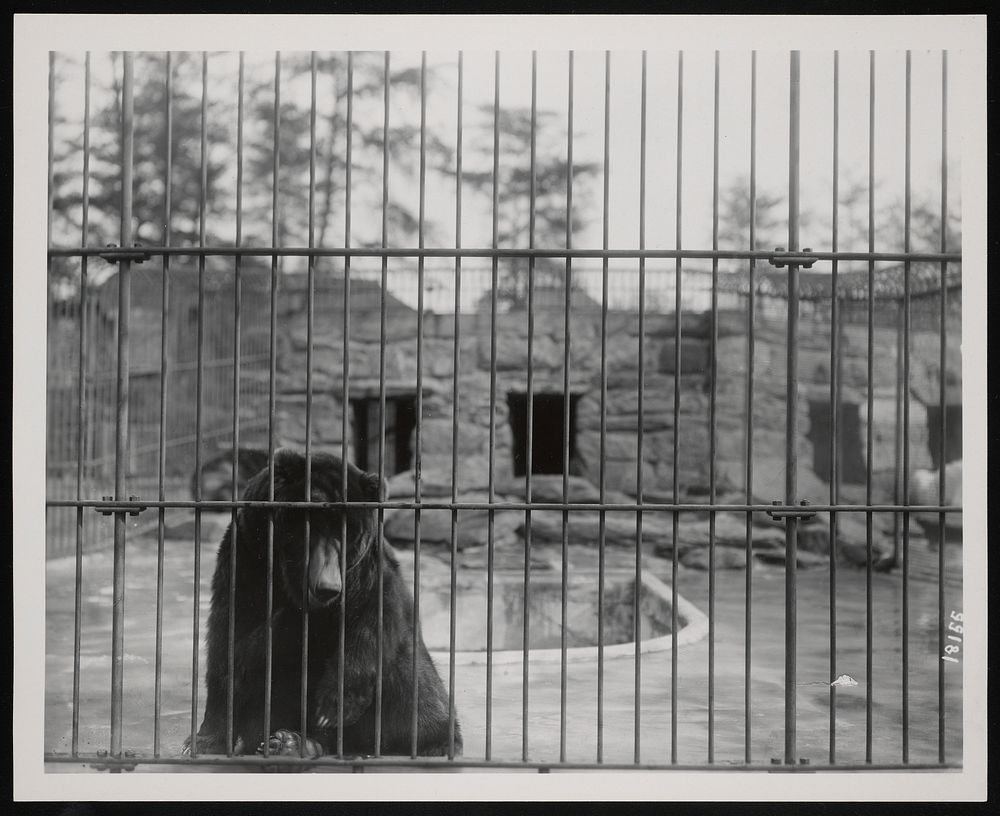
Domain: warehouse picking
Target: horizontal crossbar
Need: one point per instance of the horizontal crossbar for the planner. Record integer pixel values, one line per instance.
(112, 254)
(262, 762)
(485, 505)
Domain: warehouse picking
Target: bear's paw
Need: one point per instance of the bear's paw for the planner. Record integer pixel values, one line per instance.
(289, 743)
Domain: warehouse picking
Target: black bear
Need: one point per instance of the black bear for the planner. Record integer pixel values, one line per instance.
(320, 589)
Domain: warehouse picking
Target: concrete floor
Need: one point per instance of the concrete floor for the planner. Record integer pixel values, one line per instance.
(617, 731)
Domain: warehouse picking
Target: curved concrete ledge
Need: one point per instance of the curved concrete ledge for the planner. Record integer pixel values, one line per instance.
(694, 627)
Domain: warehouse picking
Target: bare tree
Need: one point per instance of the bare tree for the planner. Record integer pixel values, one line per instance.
(515, 187)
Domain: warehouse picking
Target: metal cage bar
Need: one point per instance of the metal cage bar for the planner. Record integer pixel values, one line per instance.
(122, 405)
(627, 507)
(274, 762)
(640, 399)
(199, 400)
(117, 253)
(602, 523)
(345, 399)
(675, 441)
(835, 352)
(272, 377)
(453, 561)
(383, 296)
(418, 441)
(237, 340)
(456, 361)
(751, 346)
(567, 362)
(164, 380)
(310, 327)
(490, 589)
(792, 409)
(942, 363)
(345, 402)
(50, 122)
(870, 434)
(82, 395)
(712, 419)
(905, 440)
(530, 430)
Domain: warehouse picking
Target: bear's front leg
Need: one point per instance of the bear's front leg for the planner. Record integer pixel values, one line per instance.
(359, 692)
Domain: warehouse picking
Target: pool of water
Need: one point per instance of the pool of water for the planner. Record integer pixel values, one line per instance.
(544, 611)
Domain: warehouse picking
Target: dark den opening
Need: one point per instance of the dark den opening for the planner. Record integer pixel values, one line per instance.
(400, 420)
(547, 431)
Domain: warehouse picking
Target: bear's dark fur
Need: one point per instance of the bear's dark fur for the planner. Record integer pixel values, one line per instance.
(364, 550)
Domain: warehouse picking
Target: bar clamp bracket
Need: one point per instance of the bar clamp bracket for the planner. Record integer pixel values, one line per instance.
(111, 507)
(136, 254)
(781, 514)
(780, 258)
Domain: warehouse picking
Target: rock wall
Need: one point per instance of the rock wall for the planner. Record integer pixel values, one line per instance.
(477, 353)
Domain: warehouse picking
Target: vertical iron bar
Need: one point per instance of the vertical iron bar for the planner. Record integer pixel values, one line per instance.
(897, 448)
(164, 373)
(383, 293)
(838, 474)
(493, 363)
(567, 399)
(835, 352)
(602, 516)
(121, 407)
(82, 396)
(417, 469)
(675, 442)
(50, 128)
(237, 341)
(199, 399)
(310, 303)
(346, 401)
(52, 519)
(751, 346)
(454, 462)
(530, 430)
(792, 407)
(272, 376)
(640, 420)
(870, 432)
(906, 427)
(713, 377)
(942, 429)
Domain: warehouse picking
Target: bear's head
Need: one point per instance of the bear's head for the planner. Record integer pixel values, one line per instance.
(312, 546)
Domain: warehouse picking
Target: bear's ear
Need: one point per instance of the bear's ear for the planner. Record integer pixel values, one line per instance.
(288, 464)
(374, 488)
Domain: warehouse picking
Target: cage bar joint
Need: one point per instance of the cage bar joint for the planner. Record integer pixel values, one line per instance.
(134, 254)
(780, 258)
(780, 514)
(111, 507)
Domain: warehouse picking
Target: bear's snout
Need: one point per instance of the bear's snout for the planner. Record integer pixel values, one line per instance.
(326, 582)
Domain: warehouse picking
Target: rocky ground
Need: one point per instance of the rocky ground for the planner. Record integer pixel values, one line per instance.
(621, 528)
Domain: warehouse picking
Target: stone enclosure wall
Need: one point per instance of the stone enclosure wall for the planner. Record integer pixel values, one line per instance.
(622, 376)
